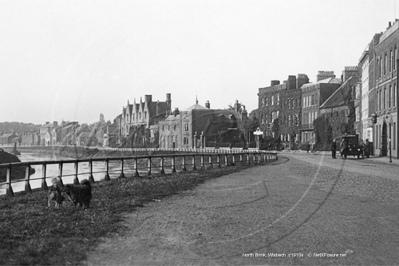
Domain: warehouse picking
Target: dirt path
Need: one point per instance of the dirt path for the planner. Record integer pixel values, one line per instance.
(289, 208)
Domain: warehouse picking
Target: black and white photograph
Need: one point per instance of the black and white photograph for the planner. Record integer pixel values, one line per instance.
(199, 132)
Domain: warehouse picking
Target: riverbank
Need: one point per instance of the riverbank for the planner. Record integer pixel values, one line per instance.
(17, 172)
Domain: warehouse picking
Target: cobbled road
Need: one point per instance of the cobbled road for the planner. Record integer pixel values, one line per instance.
(303, 209)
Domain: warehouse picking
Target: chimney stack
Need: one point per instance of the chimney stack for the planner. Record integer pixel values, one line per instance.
(208, 105)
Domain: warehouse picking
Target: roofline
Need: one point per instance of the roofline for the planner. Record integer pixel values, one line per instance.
(336, 91)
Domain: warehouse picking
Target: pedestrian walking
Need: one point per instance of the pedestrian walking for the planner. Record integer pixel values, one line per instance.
(343, 148)
(334, 149)
(367, 149)
(307, 147)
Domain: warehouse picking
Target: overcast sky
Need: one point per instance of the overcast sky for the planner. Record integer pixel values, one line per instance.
(72, 60)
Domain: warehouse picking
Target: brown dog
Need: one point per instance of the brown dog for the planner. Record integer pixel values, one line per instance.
(79, 194)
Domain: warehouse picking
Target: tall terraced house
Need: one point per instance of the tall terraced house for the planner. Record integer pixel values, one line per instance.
(144, 113)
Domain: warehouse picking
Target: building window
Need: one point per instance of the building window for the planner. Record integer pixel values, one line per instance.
(394, 95)
(272, 100)
(394, 59)
(267, 101)
(385, 64)
(278, 99)
(394, 136)
(391, 61)
(384, 99)
(389, 96)
(174, 127)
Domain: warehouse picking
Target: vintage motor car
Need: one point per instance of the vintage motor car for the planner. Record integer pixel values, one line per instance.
(354, 147)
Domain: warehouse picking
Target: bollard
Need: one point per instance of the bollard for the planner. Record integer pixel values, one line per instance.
(76, 180)
(149, 166)
(173, 165)
(28, 188)
(184, 163)
(194, 167)
(162, 168)
(106, 177)
(44, 183)
(60, 166)
(122, 175)
(9, 191)
(136, 168)
(91, 178)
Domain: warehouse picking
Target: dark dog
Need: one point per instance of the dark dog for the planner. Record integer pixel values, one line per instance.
(54, 194)
(79, 194)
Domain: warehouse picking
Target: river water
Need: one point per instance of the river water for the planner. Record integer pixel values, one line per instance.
(67, 171)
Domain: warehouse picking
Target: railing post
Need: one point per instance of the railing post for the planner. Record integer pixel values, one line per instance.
(173, 165)
(44, 183)
(9, 191)
(218, 160)
(241, 159)
(194, 167)
(136, 167)
(76, 166)
(248, 159)
(60, 165)
(91, 178)
(162, 167)
(122, 175)
(210, 161)
(202, 161)
(149, 165)
(28, 188)
(106, 177)
(226, 160)
(184, 163)
(233, 162)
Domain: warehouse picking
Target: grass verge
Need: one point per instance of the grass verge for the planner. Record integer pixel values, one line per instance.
(33, 234)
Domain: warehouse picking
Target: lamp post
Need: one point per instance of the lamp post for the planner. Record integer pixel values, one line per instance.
(258, 133)
(390, 135)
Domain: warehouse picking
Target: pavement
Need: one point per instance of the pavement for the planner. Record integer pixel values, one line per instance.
(372, 158)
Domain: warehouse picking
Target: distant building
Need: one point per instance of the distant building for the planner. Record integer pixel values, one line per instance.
(200, 126)
(314, 95)
(6, 139)
(30, 139)
(46, 132)
(282, 101)
(340, 109)
(145, 113)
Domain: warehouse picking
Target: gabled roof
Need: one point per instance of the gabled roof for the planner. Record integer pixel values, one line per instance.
(339, 97)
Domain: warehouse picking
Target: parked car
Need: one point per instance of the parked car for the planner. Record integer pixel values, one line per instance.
(355, 148)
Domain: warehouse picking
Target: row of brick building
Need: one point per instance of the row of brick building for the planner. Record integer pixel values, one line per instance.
(364, 99)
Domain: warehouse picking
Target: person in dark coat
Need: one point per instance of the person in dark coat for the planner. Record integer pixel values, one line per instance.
(343, 148)
(307, 147)
(367, 149)
(334, 149)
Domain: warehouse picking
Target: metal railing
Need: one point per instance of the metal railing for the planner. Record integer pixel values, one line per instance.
(136, 165)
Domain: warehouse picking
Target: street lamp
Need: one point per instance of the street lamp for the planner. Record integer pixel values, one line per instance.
(390, 136)
(258, 133)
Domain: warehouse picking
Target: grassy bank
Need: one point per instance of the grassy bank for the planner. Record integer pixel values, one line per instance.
(33, 234)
